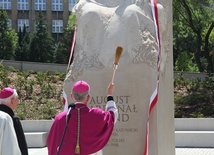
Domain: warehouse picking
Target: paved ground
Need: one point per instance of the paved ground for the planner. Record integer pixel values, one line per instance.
(179, 151)
(39, 151)
(194, 151)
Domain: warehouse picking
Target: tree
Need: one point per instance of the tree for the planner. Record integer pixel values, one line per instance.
(8, 37)
(22, 51)
(41, 47)
(64, 46)
(193, 26)
(184, 63)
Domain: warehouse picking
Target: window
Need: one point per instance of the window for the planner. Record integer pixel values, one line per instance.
(57, 5)
(40, 4)
(71, 4)
(23, 5)
(5, 4)
(57, 26)
(22, 22)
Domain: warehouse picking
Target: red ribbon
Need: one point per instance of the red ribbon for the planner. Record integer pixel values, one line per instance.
(154, 97)
(72, 48)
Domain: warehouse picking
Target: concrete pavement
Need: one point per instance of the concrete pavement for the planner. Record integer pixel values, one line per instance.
(38, 151)
(194, 151)
(178, 151)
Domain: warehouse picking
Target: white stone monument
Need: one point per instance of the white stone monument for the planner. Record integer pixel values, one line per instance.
(102, 26)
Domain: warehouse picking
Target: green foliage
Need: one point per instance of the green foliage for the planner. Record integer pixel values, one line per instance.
(193, 24)
(4, 77)
(184, 63)
(22, 51)
(195, 97)
(41, 47)
(45, 111)
(37, 47)
(40, 94)
(62, 53)
(8, 38)
(64, 45)
(71, 22)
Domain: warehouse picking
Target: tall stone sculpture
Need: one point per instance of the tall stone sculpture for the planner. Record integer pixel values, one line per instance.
(102, 26)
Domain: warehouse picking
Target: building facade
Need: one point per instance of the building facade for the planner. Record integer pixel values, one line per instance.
(25, 12)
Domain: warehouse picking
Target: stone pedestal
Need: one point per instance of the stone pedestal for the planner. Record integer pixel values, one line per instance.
(100, 29)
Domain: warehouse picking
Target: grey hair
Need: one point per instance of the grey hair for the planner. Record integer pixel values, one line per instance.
(80, 96)
(15, 94)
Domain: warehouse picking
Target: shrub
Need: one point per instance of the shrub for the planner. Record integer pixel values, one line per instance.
(194, 98)
(40, 94)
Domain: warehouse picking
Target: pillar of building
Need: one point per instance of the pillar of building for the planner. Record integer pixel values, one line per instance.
(14, 15)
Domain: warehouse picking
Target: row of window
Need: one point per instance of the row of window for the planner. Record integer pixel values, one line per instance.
(57, 25)
(57, 5)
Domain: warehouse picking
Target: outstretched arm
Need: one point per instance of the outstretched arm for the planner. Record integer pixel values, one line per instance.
(111, 105)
